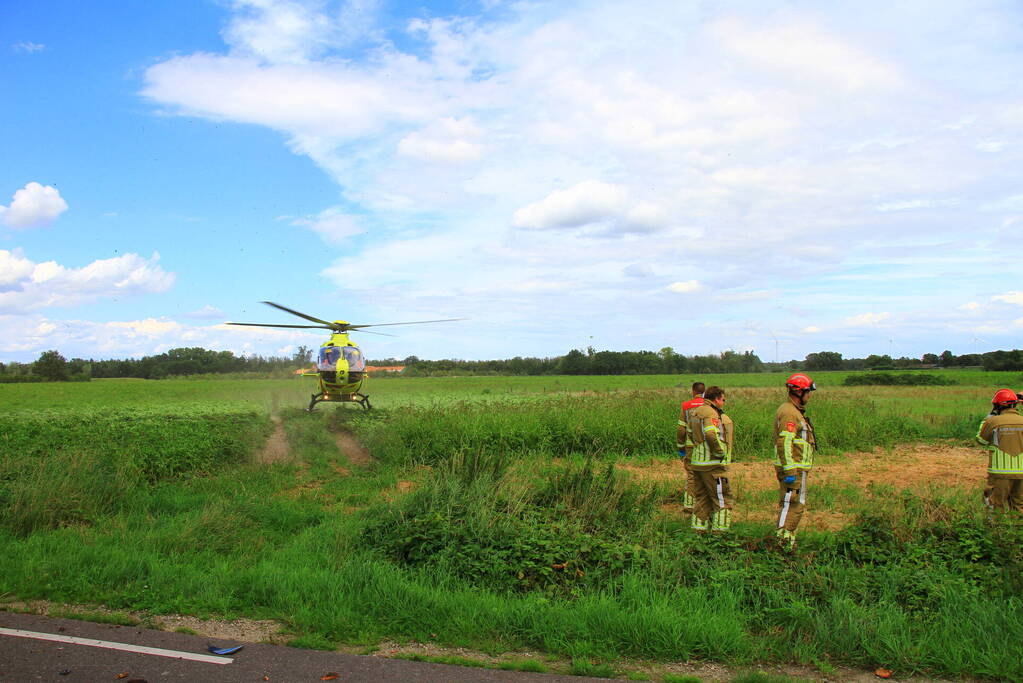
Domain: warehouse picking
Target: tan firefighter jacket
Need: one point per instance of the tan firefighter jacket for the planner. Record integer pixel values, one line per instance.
(1003, 435)
(684, 438)
(794, 440)
(712, 436)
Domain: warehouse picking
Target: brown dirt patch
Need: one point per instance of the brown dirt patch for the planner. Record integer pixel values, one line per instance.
(353, 450)
(401, 488)
(244, 630)
(276, 448)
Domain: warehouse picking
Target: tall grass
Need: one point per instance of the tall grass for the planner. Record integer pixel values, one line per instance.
(59, 468)
(521, 531)
(643, 424)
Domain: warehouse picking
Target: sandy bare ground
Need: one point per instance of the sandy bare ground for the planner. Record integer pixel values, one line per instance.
(356, 453)
(919, 468)
(276, 448)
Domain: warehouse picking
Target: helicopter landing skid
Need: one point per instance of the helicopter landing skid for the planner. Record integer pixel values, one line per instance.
(361, 399)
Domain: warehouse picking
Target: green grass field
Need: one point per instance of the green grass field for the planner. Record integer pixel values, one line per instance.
(496, 513)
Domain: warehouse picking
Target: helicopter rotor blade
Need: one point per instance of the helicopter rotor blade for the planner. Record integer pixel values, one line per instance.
(382, 334)
(318, 327)
(415, 322)
(329, 324)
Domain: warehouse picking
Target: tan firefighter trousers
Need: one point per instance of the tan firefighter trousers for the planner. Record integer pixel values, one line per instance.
(791, 499)
(1002, 493)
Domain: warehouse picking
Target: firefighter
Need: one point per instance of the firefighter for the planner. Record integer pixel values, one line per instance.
(712, 435)
(1002, 433)
(685, 443)
(794, 445)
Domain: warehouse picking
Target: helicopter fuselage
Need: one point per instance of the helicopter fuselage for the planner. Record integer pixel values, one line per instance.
(341, 371)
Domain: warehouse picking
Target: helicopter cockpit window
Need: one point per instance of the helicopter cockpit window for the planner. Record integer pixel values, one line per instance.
(329, 356)
(356, 363)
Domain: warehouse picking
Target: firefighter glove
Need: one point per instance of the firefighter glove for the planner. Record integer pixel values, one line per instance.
(681, 452)
(791, 479)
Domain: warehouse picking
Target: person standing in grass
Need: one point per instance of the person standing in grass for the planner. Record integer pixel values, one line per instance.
(684, 441)
(1002, 433)
(712, 436)
(794, 445)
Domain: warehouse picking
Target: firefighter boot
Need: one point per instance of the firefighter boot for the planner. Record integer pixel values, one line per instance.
(721, 520)
(786, 539)
(700, 525)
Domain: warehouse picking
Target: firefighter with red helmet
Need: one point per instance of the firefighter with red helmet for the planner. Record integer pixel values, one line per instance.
(684, 441)
(794, 445)
(1002, 433)
(713, 437)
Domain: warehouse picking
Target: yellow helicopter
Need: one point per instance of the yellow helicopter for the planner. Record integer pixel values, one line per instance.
(340, 367)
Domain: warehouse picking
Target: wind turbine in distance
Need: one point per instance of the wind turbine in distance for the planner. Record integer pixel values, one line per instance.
(776, 343)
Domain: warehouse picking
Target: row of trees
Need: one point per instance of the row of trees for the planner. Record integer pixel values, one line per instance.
(832, 360)
(666, 361)
(51, 366)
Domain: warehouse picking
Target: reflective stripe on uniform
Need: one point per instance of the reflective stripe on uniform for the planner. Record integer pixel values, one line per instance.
(788, 462)
(785, 509)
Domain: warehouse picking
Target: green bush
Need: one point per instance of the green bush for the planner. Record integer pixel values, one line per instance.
(476, 522)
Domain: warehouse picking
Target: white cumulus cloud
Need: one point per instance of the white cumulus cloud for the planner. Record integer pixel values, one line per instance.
(590, 201)
(26, 285)
(33, 206)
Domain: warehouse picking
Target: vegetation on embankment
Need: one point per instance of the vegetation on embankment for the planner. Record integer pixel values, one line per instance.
(505, 524)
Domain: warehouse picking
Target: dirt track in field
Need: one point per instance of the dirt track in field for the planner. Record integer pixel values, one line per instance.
(353, 450)
(276, 448)
(919, 468)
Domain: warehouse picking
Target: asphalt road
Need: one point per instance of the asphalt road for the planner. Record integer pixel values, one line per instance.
(25, 657)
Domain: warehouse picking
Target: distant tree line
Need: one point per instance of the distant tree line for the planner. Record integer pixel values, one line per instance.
(666, 361)
(52, 366)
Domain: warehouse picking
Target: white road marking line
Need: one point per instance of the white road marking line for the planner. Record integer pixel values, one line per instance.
(159, 652)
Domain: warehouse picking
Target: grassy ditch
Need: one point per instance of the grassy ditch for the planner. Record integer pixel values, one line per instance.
(508, 529)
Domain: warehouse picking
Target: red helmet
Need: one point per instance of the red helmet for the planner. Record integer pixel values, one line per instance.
(1004, 397)
(800, 381)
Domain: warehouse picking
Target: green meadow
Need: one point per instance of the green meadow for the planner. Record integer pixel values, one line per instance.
(504, 514)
